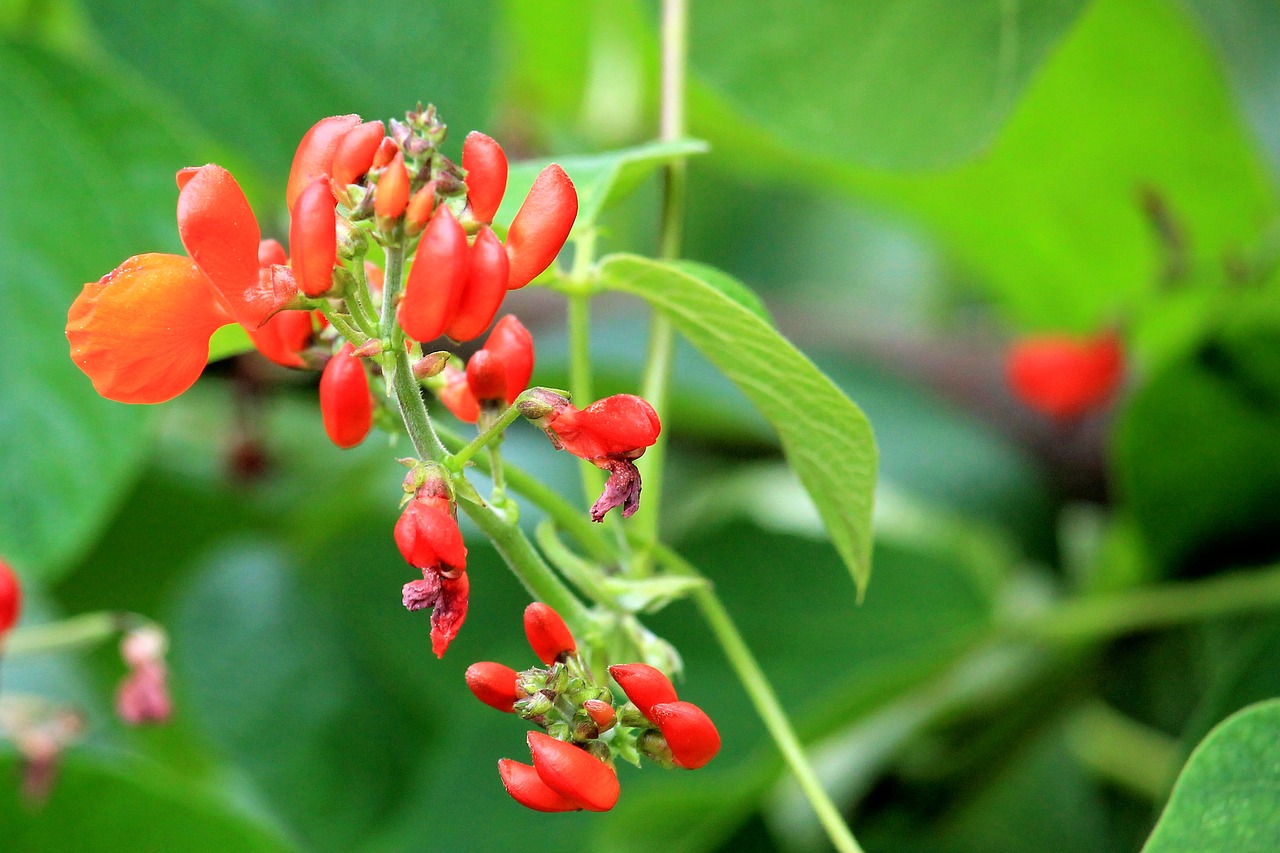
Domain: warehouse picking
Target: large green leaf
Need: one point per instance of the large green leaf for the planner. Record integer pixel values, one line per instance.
(894, 83)
(281, 693)
(88, 167)
(99, 805)
(1227, 798)
(1050, 217)
(257, 75)
(826, 437)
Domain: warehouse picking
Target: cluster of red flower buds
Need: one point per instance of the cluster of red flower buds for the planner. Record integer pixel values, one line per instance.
(142, 332)
(582, 730)
(1064, 378)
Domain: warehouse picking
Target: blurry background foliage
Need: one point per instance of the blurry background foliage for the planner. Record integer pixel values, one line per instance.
(908, 184)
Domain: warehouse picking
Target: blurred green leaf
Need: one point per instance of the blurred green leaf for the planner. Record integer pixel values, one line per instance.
(1050, 217)
(257, 75)
(67, 455)
(894, 84)
(1197, 450)
(600, 179)
(283, 695)
(109, 803)
(1228, 795)
(825, 436)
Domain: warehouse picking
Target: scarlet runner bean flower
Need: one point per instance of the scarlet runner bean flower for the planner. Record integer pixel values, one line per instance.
(429, 539)
(609, 434)
(141, 333)
(10, 600)
(486, 168)
(1065, 378)
(541, 226)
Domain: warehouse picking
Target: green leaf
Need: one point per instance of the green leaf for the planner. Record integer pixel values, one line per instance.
(892, 84)
(826, 438)
(601, 179)
(1048, 218)
(257, 75)
(1227, 797)
(258, 656)
(66, 455)
(125, 804)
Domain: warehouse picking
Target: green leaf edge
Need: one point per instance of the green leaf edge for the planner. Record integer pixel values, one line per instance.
(1220, 732)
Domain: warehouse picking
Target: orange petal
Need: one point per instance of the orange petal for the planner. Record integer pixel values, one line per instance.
(220, 233)
(141, 332)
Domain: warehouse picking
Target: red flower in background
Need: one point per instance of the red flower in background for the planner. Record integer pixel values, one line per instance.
(507, 366)
(1065, 378)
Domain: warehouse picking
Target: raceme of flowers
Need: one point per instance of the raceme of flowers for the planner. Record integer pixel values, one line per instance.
(582, 731)
(368, 321)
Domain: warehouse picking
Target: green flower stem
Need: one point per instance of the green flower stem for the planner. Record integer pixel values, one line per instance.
(497, 471)
(400, 381)
(581, 573)
(360, 304)
(459, 460)
(76, 632)
(343, 323)
(766, 702)
(528, 565)
(567, 517)
(657, 376)
(1104, 616)
(1135, 757)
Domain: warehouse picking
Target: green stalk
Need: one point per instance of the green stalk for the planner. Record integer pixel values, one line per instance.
(343, 323)
(766, 703)
(657, 375)
(400, 381)
(1104, 616)
(528, 565)
(567, 517)
(73, 633)
(495, 431)
(579, 310)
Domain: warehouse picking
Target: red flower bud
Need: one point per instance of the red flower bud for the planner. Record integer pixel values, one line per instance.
(486, 377)
(541, 226)
(493, 684)
(270, 252)
(690, 734)
(644, 685)
(601, 713)
(354, 154)
(513, 344)
(484, 290)
(313, 237)
(486, 168)
(392, 193)
(1064, 378)
(457, 397)
(527, 788)
(547, 633)
(574, 773)
(428, 537)
(418, 213)
(10, 598)
(314, 157)
(345, 402)
(387, 150)
(436, 279)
